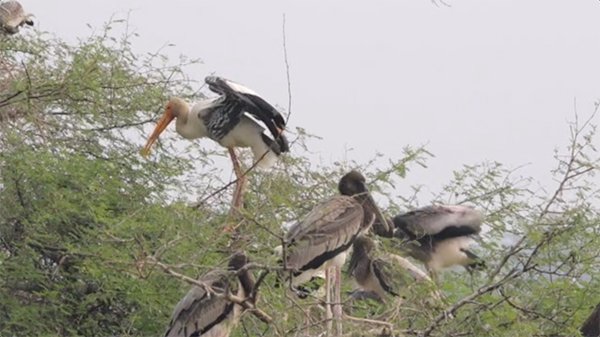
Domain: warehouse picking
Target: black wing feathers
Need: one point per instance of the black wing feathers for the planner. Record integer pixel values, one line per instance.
(378, 269)
(254, 105)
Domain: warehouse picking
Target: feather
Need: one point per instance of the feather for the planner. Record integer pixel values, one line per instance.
(377, 272)
(12, 16)
(198, 312)
(443, 221)
(202, 313)
(249, 101)
(327, 230)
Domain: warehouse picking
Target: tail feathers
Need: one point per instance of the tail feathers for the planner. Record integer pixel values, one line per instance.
(476, 264)
(279, 146)
(284, 145)
(272, 151)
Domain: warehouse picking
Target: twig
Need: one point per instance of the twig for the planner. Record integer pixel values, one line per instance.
(230, 183)
(287, 72)
(369, 321)
(233, 298)
(4, 100)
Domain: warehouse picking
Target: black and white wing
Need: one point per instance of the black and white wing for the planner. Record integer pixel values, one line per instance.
(253, 104)
(12, 16)
(199, 312)
(391, 276)
(329, 229)
(441, 221)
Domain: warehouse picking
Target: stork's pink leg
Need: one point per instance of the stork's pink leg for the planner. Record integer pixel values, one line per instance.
(237, 201)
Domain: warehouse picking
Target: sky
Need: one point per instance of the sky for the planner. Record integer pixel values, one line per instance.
(480, 80)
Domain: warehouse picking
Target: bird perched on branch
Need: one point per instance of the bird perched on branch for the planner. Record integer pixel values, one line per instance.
(321, 240)
(374, 272)
(13, 17)
(232, 120)
(440, 236)
(207, 312)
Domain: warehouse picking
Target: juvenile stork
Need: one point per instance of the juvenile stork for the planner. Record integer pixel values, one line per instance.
(440, 236)
(13, 17)
(210, 314)
(230, 119)
(321, 240)
(591, 326)
(375, 273)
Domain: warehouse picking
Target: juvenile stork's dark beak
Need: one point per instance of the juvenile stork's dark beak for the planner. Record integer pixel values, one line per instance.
(160, 127)
(370, 203)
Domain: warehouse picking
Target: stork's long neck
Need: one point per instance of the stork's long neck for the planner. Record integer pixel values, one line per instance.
(359, 255)
(188, 124)
(247, 282)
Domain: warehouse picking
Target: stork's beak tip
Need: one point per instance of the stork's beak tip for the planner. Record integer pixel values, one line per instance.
(145, 152)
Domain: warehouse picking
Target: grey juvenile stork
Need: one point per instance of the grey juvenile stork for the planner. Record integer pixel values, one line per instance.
(440, 236)
(376, 274)
(202, 314)
(322, 239)
(13, 17)
(591, 326)
(230, 120)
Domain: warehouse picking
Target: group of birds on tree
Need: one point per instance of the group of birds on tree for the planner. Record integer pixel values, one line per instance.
(439, 236)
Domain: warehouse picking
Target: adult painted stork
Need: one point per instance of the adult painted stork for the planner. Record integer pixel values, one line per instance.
(440, 236)
(230, 119)
(13, 17)
(321, 240)
(204, 314)
(375, 273)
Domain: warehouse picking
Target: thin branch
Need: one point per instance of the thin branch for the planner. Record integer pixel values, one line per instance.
(244, 302)
(230, 183)
(287, 72)
(4, 100)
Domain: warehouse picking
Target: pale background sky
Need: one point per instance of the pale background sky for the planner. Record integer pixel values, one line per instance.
(480, 80)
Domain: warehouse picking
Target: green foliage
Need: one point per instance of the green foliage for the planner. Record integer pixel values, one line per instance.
(84, 219)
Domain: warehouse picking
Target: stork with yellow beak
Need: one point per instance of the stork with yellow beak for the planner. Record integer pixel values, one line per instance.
(232, 120)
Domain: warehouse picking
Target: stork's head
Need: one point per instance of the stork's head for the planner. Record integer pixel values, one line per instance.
(176, 107)
(354, 184)
(237, 261)
(364, 244)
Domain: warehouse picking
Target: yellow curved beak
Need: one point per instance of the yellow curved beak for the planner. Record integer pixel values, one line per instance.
(160, 127)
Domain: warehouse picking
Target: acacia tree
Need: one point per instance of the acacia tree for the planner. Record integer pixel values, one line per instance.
(88, 228)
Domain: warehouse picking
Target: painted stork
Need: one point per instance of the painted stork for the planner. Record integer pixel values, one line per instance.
(591, 326)
(230, 119)
(375, 273)
(321, 240)
(203, 314)
(13, 17)
(440, 236)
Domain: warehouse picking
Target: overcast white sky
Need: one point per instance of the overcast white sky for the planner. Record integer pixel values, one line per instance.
(481, 80)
